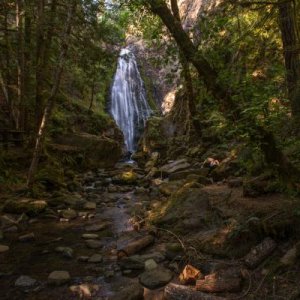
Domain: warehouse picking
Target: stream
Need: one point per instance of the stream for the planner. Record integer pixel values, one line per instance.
(110, 228)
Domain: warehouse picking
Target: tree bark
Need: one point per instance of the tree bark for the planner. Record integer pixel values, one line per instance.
(187, 76)
(176, 292)
(51, 100)
(291, 48)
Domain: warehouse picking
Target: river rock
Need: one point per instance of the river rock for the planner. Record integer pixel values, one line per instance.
(94, 244)
(156, 278)
(28, 206)
(133, 291)
(95, 258)
(90, 205)
(90, 236)
(97, 227)
(69, 214)
(25, 281)
(27, 237)
(175, 166)
(134, 262)
(59, 277)
(66, 252)
(150, 264)
(3, 248)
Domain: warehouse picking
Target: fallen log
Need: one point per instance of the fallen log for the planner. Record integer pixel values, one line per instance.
(259, 253)
(135, 246)
(189, 275)
(180, 292)
(229, 280)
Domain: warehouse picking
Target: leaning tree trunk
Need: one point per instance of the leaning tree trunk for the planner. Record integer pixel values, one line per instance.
(209, 77)
(291, 48)
(187, 77)
(51, 100)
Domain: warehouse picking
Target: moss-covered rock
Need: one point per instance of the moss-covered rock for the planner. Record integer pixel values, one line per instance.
(96, 151)
(30, 207)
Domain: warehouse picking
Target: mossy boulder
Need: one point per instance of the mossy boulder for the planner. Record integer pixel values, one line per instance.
(126, 177)
(96, 151)
(157, 132)
(30, 207)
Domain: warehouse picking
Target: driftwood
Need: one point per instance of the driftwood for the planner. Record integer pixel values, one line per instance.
(189, 275)
(180, 292)
(135, 246)
(259, 253)
(229, 280)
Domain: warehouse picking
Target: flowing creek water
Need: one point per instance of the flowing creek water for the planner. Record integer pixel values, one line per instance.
(39, 257)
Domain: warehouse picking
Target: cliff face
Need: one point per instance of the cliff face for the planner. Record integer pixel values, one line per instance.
(166, 79)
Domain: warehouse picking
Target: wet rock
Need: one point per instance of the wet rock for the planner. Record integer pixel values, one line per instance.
(175, 166)
(90, 236)
(25, 281)
(27, 237)
(69, 214)
(59, 277)
(168, 188)
(134, 262)
(95, 258)
(290, 257)
(94, 244)
(235, 182)
(202, 172)
(133, 291)
(156, 278)
(3, 248)
(28, 206)
(83, 258)
(97, 227)
(150, 264)
(66, 252)
(90, 205)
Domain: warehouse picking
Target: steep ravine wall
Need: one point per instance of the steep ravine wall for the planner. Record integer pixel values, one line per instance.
(165, 77)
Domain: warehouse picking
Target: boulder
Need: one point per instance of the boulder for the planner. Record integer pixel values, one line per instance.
(99, 151)
(175, 166)
(203, 172)
(30, 207)
(156, 278)
(95, 258)
(94, 244)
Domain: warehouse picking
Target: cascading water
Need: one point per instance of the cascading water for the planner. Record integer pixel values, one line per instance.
(129, 106)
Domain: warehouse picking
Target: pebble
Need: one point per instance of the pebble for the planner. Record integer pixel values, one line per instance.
(69, 214)
(96, 258)
(93, 244)
(27, 237)
(90, 205)
(3, 248)
(65, 251)
(150, 264)
(59, 277)
(90, 236)
(25, 281)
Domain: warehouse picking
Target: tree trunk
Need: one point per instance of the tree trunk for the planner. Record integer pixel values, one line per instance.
(180, 292)
(51, 100)
(291, 48)
(93, 94)
(187, 76)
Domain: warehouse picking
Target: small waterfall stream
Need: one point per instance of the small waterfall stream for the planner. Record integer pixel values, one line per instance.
(129, 106)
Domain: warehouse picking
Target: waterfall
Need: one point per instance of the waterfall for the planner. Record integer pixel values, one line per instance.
(129, 106)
